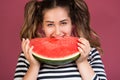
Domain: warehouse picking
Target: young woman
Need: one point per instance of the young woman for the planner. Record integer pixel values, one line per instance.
(60, 18)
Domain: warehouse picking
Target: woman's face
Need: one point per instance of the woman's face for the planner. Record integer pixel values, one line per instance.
(57, 23)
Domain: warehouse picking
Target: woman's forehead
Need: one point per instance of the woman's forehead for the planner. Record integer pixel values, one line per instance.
(56, 14)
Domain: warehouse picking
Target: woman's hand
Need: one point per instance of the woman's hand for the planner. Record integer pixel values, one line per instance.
(33, 70)
(84, 49)
(28, 52)
(82, 63)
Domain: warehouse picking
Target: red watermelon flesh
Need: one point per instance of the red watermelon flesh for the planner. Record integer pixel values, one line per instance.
(55, 49)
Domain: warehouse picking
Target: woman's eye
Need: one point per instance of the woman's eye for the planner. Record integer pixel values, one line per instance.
(50, 24)
(64, 23)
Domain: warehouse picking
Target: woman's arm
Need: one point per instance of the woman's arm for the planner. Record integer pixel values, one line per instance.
(84, 67)
(92, 70)
(85, 70)
(32, 73)
(34, 66)
(24, 70)
(97, 65)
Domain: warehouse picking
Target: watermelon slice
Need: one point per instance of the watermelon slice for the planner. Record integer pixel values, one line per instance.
(55, 51)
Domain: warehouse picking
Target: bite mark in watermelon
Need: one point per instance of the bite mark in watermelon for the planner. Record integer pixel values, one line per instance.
(55, 51)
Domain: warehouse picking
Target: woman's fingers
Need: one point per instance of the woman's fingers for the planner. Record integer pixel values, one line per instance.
(25, 47)
(30, 51)
(23, 44)
(84, 41)
(84, 47)
(27, 50)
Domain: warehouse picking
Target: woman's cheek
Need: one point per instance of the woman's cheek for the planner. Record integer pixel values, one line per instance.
(49, 32)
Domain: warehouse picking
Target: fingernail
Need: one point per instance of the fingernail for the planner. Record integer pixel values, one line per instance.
(79, 48)
(27, 39)
(78, 44)
(32, 47)
(23, 39)
(79, 39)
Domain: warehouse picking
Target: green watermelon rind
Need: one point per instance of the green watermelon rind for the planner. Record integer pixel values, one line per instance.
(56, 61)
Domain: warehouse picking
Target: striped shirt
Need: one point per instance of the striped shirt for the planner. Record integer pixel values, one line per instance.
(64, 72)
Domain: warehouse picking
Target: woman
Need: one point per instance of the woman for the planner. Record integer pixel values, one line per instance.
(60, 18)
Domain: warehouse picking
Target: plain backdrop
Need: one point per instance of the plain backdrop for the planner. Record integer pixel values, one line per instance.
(105, 20)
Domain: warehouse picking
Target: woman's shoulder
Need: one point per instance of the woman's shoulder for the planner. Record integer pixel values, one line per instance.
(94, 51)
(22, 59)
(94, 54)
(22, 56)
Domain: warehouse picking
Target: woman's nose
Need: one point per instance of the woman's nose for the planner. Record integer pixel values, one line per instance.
(57, 31)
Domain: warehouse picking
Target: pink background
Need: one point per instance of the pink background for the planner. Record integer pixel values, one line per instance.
(105, 20)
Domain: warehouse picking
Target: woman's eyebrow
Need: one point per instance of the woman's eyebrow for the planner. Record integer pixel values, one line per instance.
(49, 21)
(64, 20)
(53, 21)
